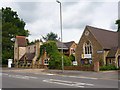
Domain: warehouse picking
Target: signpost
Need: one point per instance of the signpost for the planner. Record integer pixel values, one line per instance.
(100, 51)
(75, 63)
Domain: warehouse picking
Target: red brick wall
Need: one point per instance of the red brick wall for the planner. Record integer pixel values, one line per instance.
(81, 68)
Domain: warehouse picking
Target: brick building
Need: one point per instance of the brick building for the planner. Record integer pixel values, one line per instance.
(98, 45)
(28, 55)
(25, 55)
(68, 47)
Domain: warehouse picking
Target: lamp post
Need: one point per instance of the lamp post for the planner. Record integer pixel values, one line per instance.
(61, 33)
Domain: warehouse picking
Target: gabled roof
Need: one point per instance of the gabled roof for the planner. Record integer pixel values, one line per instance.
(61, 45)
(106, 38)
(66, 45)
(21, 40)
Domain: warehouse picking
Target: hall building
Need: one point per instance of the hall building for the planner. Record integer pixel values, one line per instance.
(98, 45)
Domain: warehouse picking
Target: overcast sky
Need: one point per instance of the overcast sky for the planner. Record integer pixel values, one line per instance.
(43, 17)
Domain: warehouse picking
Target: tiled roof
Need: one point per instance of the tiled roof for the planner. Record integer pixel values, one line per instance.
(61, 45)
(21, 40)
(68, 44)
(65, 44)
(106, 38)
(29, 56)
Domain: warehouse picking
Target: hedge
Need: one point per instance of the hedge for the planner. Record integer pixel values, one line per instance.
(108, 67)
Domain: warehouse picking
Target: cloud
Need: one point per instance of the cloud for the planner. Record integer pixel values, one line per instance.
(28, 10)
(79, 14)
(43, 17)
(72, 35)
(105, 15)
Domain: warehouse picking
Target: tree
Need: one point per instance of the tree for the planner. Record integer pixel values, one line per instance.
(12, 25)
(50, 36)
(118, 23)
(72, 57)
(55, 56)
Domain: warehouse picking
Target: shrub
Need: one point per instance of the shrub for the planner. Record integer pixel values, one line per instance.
(108, 67)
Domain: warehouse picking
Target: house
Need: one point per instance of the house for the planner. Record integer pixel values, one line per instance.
(19, 48)
(25, 55)
(68, 47)
(98, 45)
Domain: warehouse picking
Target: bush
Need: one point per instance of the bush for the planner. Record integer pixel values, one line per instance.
(108, 67)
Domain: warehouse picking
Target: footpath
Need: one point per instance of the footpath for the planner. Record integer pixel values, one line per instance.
(114, 75)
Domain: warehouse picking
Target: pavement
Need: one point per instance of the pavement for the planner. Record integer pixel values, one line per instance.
(114, 75)
(89, 74)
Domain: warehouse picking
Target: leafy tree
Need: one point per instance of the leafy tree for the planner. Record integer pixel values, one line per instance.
(72, 57)
(50, 36)
(118, 23)
(55, 56)
(12, 25)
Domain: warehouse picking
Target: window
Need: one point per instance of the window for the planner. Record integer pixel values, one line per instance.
(110, 61)
(34, 48)
(87, 47)
(46, 61)
(72, 51)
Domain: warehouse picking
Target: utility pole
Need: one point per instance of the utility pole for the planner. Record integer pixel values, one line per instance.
(61, 33)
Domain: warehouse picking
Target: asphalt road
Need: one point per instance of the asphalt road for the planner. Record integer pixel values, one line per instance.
(46, 80)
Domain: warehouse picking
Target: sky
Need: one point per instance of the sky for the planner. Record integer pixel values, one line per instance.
(43, 16)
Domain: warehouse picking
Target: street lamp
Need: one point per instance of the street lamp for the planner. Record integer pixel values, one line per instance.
(61, 32)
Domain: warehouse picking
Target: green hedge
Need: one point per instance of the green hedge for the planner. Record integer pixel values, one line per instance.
(108, 67)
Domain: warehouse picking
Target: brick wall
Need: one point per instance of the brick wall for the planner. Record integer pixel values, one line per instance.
(81, 68)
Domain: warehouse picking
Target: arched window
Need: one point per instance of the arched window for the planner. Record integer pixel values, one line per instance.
(87, 48)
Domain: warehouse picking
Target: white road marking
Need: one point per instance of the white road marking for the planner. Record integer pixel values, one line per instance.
(68, 83)
(50, 74)
(4, 74)
(20, 76)
(62, 83)
(82, 77)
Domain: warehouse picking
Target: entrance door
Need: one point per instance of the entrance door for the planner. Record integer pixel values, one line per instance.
(118, 61)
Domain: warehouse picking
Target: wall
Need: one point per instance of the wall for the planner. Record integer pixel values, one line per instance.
(15, 51)
(22, 51)
(116, 57)
(74, 47)
(80, 68)
(31, 48)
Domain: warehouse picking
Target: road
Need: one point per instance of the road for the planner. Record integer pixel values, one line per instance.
(46, 80)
